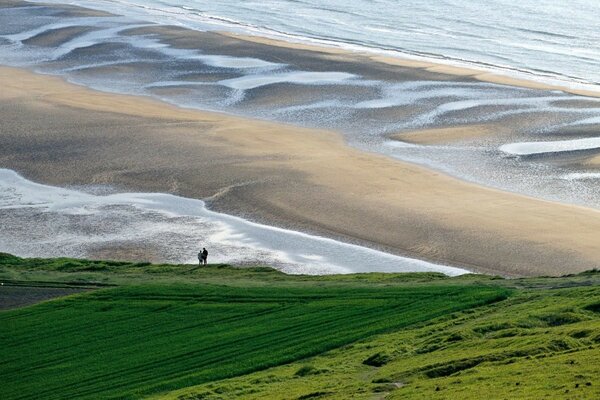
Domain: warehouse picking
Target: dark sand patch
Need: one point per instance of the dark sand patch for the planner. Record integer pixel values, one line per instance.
(575, 132)
(56, 37)
(575, 104)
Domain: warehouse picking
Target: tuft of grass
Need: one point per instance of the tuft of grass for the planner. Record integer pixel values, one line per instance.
(561, 318)
(307, 370)
(377, 360)
(313, 395)
(594, 307)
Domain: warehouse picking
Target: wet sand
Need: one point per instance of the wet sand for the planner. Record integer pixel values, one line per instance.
(63, 134)
(593, 161)
(446, 135)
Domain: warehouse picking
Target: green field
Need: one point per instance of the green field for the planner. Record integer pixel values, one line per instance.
(184, 332)
(534, 345)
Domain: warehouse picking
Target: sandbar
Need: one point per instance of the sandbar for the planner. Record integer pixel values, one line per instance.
(445, 135)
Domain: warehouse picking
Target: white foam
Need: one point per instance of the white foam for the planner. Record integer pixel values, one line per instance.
(237, 62)
(296, 77)
(45, 221)
(405, 94)
(325, 104)
(530, 148)
(578, 176)
(92, 38)
(586, 121)
(168, 84)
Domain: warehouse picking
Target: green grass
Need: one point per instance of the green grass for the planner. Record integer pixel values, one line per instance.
(137, 340)
(76, 272)
(520, 348)
(188, 333)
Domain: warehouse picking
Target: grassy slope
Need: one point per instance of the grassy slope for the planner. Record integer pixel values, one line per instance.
(135, 340)
(537, 344)
(170, 327)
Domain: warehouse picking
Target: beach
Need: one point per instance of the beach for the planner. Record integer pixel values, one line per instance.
(303, 179)
(379, 101)
(457, 166)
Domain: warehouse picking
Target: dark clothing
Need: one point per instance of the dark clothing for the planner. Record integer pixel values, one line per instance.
(204, 256)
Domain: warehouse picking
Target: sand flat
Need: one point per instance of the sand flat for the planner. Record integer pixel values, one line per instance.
(453, 70)
(445, 135)
(300, 178)
(402, 62)
(593, 161)
(58, 36)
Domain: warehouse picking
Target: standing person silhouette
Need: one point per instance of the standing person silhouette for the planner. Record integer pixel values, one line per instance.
(199, 258)
(204, 255)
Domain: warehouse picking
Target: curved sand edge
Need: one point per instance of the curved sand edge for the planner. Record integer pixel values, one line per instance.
(299, 178)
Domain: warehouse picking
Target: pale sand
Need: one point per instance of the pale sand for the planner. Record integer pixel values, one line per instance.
(593, 161)
(281, 43)
(446, 135)
(445, 69)
(401, 62)
(56, 37)
(63, 134)
(452, 70)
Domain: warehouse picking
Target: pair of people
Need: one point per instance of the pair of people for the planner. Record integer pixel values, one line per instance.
(202, 256)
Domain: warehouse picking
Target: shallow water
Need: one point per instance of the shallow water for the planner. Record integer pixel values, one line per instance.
(45, 221)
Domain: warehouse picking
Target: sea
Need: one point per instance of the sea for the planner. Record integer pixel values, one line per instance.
(552, 41)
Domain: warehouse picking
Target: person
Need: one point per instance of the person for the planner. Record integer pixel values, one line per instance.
(199, 258)
(204, 255)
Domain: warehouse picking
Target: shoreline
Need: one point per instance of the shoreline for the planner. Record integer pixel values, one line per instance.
(288, 251)
(275, 174)
(488, 75)
(466, 69)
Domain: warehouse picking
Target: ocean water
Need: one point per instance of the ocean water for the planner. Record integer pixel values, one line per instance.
(549, 40)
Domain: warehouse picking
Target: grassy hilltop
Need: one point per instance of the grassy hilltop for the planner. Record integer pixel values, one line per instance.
(182, 332)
